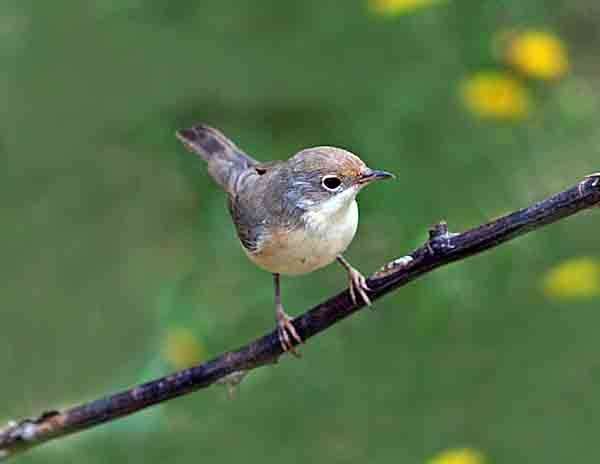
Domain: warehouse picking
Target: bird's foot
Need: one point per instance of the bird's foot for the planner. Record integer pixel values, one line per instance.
(286, 332)
(357, 283)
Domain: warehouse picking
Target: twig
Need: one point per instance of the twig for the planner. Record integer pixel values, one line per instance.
(441, 248)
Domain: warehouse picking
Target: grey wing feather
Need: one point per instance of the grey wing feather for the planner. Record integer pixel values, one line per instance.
(249, 224)
(257, 207)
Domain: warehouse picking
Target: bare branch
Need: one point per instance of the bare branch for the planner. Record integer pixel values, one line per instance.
(441, 248)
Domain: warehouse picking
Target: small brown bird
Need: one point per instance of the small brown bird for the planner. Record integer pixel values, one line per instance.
(292, 217)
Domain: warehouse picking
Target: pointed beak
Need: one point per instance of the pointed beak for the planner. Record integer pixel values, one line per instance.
(370, 175)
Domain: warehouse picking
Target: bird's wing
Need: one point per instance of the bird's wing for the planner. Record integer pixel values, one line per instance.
(258, 203)
(250, 223)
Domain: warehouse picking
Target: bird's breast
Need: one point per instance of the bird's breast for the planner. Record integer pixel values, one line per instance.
(312, 244)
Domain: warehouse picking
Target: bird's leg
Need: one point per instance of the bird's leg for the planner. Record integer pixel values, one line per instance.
(356, 282)
(284, 327)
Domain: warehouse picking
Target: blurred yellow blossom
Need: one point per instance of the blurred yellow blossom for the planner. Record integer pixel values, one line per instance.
(537, 54)
(574, 278)
(182, 349)
(496, 95)
(397, 7)
(458, 456)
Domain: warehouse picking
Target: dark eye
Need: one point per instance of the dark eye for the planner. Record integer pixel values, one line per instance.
(331, 182)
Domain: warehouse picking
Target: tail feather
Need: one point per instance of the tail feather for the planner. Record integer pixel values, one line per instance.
(225, 160)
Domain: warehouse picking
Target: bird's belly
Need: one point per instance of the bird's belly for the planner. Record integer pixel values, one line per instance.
(312, 246)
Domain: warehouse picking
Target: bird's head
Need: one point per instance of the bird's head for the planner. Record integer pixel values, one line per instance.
(329, 177)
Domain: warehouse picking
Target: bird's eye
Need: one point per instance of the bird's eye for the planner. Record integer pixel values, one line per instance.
(331, 182)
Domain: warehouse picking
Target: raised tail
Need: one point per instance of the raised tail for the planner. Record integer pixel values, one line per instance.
(225, 160)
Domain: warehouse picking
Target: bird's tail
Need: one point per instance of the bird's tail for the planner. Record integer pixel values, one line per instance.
(225, 160)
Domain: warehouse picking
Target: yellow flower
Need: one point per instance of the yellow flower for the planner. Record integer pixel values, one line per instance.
(397, 7)
(182, 349)
(537, 54)
(458, 456)
(496, 95)
(574, 278)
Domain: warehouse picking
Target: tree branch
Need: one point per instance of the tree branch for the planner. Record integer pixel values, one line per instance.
(441, 248)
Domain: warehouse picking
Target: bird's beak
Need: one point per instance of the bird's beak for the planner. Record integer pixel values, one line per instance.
(370, 175)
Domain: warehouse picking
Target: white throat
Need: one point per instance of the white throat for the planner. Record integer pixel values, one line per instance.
(336, 206)
(333, 222)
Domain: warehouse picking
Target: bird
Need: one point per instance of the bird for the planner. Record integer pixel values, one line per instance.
(291, 217)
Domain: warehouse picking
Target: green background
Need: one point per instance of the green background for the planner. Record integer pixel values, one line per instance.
(112, 233)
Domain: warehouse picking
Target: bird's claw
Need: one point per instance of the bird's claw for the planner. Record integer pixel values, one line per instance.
(285, 329)
(358, 284)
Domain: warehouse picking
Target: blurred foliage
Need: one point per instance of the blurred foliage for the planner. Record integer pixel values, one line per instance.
(182, 349)
(114, 236)
(537, 54)
(397, 7)
(497, 96)
(573, 278)
(458, 456)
